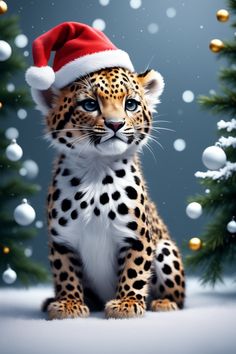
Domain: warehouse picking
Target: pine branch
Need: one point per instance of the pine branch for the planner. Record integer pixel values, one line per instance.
(220, 104)
(16, 188)
(228, 76)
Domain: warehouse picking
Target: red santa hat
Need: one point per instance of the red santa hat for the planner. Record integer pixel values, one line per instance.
(79, 50)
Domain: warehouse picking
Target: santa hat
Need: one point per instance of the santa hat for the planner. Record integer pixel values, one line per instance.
(79, 50)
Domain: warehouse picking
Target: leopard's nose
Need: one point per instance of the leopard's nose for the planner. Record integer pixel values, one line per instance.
(114, 125)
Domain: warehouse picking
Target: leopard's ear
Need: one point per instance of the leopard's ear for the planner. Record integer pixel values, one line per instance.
(153, 84)
(44, 99)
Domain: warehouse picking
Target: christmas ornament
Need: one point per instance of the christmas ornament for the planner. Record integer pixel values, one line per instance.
(14, 151)
(214, 157)
(195, 244)
(5, 51)
(31, 168)
(24, 214)
(231, 226)
(3, 7)
(222, 15)
(6, 250)
(194, 210)
(216, 45)
(9, 276)
(1, 105)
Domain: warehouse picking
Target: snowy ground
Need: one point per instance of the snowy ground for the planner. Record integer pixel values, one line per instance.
(206, 325)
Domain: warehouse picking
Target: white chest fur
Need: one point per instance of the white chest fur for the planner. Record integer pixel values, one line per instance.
(94, 191)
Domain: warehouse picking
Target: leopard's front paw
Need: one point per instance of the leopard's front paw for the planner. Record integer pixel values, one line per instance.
(163, 305)
(61, 309)
(124, 308)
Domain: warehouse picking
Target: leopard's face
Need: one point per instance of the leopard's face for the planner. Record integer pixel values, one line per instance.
(108, 112)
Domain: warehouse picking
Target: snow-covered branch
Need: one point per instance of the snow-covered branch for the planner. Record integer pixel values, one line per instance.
(224, 173)
(229, 126)
(226, 142)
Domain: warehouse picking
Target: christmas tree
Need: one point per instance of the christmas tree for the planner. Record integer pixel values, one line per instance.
(14, 261)
(215, 250)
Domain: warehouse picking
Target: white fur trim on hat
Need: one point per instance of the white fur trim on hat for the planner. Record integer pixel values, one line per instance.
(91, 62)
(40, 78)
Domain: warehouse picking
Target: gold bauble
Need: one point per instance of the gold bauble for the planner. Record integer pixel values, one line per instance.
(222, 15)
(216, 45)
(195, 244)
(6, 250)
(3, 7)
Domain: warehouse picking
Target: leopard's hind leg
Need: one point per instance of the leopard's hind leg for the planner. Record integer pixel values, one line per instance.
(167, 284)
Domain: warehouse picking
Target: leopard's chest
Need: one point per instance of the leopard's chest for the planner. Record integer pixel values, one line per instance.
(93, 211)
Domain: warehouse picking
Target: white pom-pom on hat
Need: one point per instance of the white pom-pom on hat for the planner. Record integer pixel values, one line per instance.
(40, 78)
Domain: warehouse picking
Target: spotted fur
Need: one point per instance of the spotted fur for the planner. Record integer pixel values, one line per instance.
(108, 245)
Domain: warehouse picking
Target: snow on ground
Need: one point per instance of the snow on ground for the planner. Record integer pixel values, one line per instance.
(205, 326)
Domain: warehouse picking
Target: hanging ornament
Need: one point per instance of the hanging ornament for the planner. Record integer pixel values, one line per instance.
(6, 250)
(195, 244)
(222, 15)
(29, 169)
(24, 214)
(194, 210)
(5, 50)
(14, 151)
(216, 45)
(231, 226)
(3, 7)
(214, 157)
(9, 276)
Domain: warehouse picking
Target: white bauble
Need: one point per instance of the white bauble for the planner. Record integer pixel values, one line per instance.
(194, 210)
(9, 276)
(14, 151)
(5, 50)
(231, 226)
(214, 157)
(31, 168)
(24, 214)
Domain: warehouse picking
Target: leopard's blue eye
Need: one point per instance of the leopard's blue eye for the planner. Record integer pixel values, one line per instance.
(89, 105)
(131, 105)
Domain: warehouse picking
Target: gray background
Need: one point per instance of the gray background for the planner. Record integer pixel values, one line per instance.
(180, 52)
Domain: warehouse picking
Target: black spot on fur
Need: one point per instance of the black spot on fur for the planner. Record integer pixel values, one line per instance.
(132, 225)
(62, 221)
(139, 284)
(65, 204)
(104, 198)
(147, 265)
(115, 195)
(169, 283)
(131, 192)
(132, 273)
(166, 269)
(63, 276)
(111, 215)
(138, 260)
(107, 180)
(74, 214)
(56, 194)
(79, 195)
(96, 211)
(57, 264)
(75, 182)
(160, 257)
(122, 209)
(176, 265)
(120, 173)
(165, 251)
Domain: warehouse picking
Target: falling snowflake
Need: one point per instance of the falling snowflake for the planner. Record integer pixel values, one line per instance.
(21, 113)
(135, 4)
(21, 41)
(99, 24)
(179, 144)
(153, 28)
(188, 96)
(171, 12)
